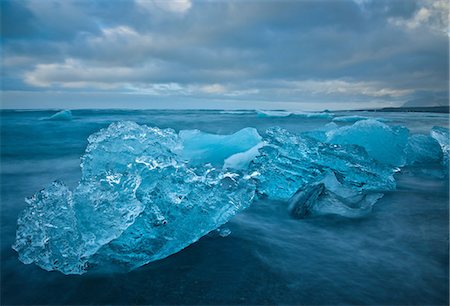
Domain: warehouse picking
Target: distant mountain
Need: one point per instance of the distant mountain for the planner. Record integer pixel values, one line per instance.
(427, 102)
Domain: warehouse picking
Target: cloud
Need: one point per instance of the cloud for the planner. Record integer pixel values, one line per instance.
(213, 88)
(433, 14)
(172, 6)
(347, 88)
(291, 51)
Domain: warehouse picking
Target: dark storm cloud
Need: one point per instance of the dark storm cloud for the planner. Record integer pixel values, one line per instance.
(278, 51)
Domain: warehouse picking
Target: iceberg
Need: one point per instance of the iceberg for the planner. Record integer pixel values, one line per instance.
(352, 119)
(423, 149)
(64, 115)
(138, 201)
(289, 162)
(47, 231)
(383, 143)
(329, 196)
(146, 193)
(441, 135)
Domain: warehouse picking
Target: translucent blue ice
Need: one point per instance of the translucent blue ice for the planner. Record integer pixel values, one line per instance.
(146, 193)
(441, 134)
(48, 233)
(200, 147)
(138, 201)
(64, 115)
(329, 196)
(290, 162)
(355, 118)
(423, 149)
(382, 142)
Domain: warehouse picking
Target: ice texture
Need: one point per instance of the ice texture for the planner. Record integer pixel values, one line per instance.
(289, 162)
(200, 147)
(382, 142)
(441, 134)
(48, 232)
(329, 196)
(423, 149)
(146, 193)
(138, 201)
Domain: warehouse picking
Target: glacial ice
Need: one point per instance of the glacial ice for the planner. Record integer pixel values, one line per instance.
(441, 134)
(423, 149)
(329, 196)
(199, 147)
(138, 201)
(47, 231)
(64, 115)
(289, 162)
(382, 142)
(355, 118)
(312, 115)
(146, 193)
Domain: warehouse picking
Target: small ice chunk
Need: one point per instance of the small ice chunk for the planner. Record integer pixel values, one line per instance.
(64, 115)
(331, 197)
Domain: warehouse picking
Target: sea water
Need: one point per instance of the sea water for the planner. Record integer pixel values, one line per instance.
(398, 254)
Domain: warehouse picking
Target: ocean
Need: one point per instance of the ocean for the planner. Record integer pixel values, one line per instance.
(397, 254)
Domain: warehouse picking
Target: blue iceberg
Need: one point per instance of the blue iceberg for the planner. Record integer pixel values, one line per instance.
(289, 162)
(138, 200)
(146, 193)
(383, 143)
(329, 196)
(355, 118)
(423, 149)
(441, 135)
(64, 115)
(200, 147)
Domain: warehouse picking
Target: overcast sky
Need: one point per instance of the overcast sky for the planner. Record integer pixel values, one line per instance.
(307, 55)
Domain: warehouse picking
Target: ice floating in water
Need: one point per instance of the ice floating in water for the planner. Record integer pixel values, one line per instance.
(137, 201)
(382, 142)
(146, 193)
(289, 162)
(441, 134)
(220, 232)
(422, 149)
(313, 115)
(65, 115)
(355, 118)
(329, 196)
